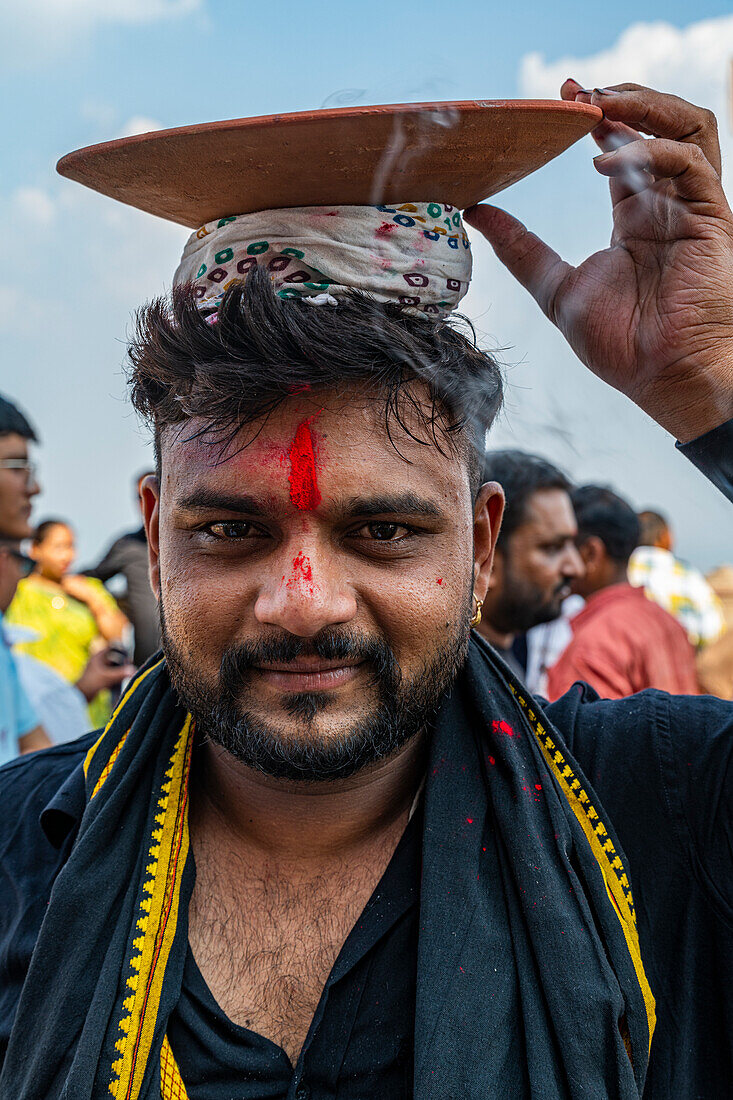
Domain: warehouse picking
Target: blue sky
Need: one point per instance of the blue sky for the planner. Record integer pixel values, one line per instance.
(76, 265)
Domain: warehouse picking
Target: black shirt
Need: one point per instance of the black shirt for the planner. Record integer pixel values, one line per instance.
(361, 1039)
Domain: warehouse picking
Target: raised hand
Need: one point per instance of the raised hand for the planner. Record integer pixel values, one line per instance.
(652, 315)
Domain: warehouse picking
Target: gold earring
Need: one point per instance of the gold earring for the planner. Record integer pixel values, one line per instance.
(476, 617)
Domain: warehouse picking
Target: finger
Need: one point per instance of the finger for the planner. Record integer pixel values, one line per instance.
(607, 135)
(686, 165)
(532, 263)
(662, 116)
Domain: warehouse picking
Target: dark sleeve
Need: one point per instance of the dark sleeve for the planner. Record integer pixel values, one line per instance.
(111, 564)
(29, 862)
(662, 766)
(712, 453)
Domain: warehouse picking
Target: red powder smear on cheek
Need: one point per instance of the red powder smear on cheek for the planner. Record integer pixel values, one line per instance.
(439, 580)
(304, 491)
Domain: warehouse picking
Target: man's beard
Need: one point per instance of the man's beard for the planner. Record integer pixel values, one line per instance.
(403, 707)
(522, 605)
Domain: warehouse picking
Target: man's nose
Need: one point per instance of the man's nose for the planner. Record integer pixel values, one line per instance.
(573, 563)
(305, 592)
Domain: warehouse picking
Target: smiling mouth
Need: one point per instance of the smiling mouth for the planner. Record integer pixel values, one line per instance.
(309, 675)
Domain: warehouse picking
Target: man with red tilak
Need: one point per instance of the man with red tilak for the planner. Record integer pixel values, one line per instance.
(329, 846)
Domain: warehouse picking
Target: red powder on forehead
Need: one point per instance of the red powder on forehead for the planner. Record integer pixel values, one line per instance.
(304, 491)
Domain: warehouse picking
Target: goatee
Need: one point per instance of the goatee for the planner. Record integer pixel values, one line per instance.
(401, 707)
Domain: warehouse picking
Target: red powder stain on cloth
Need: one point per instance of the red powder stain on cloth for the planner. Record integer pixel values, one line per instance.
(304, 491)
(385, 229)
(469, 821)
(502, 727)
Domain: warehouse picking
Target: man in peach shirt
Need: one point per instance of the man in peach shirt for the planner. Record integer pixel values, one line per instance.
(622, 641)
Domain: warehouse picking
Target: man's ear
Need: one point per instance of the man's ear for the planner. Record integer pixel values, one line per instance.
(593, 553)
(486, 523)
(150, 506)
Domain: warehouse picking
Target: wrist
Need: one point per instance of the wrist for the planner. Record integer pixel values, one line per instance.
(693, 399)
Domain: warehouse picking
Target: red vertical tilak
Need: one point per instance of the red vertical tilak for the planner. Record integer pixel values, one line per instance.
(304, 491)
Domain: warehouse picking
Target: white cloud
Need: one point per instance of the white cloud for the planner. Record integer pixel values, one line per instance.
(34, 31)
(693, 62)
(139, 124)
(34, 205)
(91, 12)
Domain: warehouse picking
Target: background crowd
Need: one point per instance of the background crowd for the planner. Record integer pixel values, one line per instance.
(583, 588)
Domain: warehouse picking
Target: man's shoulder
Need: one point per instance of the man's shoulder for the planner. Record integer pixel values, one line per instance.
(662, 767)
(582, 717)
(28, 783)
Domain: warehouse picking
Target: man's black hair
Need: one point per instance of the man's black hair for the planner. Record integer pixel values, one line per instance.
(263, 349)
(520, 475)
(601, 512)
(14, 422)
(652, 527)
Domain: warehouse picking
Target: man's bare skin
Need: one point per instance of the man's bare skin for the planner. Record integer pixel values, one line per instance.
(268, 920)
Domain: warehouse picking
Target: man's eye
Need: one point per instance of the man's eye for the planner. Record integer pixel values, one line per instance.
(385, 532)
(230, 529)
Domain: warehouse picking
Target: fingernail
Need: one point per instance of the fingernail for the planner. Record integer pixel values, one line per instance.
(605, 91)
(571, 80)
(603, 157)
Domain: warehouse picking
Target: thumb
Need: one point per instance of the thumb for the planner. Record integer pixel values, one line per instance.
(532, 262)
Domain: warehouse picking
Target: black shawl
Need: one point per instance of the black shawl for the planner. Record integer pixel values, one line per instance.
(530, 981)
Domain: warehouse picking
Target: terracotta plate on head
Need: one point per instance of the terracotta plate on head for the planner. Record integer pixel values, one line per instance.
(458, 153)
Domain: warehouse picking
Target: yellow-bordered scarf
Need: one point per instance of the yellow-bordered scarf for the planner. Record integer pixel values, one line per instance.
(131, 862)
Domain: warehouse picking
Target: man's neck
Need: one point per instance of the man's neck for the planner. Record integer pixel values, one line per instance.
(306, 822)
(495, 637)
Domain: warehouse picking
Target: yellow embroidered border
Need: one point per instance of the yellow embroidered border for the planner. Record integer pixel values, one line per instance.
(171, 1082)
(614, 874)
(115, 751)
(157, 923)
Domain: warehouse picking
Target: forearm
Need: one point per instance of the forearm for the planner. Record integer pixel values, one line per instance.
(111, 623)
(35, 739)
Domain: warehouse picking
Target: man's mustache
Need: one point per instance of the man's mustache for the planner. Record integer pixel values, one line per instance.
(238, 660)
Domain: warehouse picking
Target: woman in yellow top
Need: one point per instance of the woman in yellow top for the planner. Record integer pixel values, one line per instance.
(70, 614)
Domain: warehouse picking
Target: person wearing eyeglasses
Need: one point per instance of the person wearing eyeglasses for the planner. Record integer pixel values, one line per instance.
(20, 730)
(18, 484)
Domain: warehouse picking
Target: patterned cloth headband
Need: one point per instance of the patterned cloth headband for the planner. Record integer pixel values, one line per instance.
(416, 254)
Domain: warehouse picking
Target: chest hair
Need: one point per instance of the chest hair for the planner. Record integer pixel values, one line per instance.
(265, 935)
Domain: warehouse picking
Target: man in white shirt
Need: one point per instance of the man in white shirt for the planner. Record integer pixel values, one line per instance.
(678, 588)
